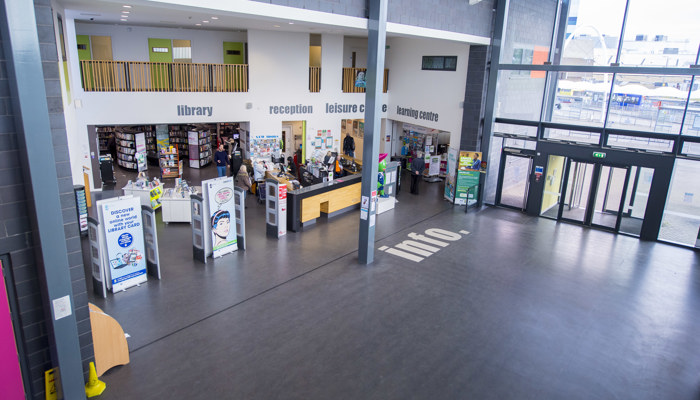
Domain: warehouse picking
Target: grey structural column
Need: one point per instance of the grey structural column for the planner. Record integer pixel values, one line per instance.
(499, 29)
(376, 46)
(25, 73)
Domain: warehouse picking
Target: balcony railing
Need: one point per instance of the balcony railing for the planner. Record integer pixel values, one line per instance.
(314, 79)
(351, 84)
(138, 76)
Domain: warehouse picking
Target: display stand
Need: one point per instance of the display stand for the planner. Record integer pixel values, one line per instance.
(126, 150)
(391, 181)
(99, 285)
(123, 245)
(275, 208)
(169, 164)
(433, 170)
(149, 196)
(150, 234)
(176, 206)
(200, 153)
(206, 208)
(81, 207)
(178, 139)
(239, 197)
(199, 250)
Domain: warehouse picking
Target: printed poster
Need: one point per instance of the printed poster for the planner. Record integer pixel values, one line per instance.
(470, 161)
(451, 178)
(467, 181)
(222, 215)
(126, 249)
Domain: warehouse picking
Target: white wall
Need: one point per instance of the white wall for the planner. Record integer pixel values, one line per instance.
(439, 92)
(130, 43)
(359, 46)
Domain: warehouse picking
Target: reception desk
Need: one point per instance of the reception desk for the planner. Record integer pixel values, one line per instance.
(308, 203)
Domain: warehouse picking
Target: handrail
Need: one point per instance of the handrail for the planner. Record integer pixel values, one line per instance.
(141, 76)
(351, 84)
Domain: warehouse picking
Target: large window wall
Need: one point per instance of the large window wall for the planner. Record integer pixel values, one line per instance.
(617, 74)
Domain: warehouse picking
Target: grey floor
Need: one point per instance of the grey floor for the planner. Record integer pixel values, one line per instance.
(520, 308)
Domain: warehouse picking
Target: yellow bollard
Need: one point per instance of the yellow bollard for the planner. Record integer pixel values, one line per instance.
(94, 387)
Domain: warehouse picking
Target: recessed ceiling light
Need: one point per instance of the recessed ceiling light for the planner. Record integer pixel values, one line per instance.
(125, 6)
(291, 23)
(125, 12)
(198, 24)
(124, 19)
(206, 22)
(214, 17)
(276, 26)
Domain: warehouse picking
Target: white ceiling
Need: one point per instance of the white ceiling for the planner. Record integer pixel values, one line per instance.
(148, 13)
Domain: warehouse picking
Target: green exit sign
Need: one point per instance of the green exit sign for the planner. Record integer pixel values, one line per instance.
(598, 154)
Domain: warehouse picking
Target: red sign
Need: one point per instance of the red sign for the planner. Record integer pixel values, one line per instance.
(283, 192)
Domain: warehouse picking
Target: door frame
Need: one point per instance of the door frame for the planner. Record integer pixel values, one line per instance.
(593, 193)
(508, 151)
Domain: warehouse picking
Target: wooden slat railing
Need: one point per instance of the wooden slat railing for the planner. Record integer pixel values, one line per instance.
(137, 76)
(350, 78)
(314, 79)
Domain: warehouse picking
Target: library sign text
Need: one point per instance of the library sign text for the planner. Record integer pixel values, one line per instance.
(193, 110)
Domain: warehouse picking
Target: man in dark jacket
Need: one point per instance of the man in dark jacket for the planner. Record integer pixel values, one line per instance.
(417, 168)
(349, 145)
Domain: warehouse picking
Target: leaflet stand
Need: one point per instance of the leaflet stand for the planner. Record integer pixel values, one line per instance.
(99, 285)
(198, 243)
(150, 237)
(239, 198)
(275, 208)
(391, 179)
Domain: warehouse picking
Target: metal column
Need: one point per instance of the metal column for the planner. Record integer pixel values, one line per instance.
(376, 45)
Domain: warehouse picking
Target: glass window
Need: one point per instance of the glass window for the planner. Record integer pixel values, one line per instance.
(500, 128)
(641, 143)
(691, 149)
(528, 43)
(520, 143)
(570, 135)
(691, 126)
(579, 98)
(182, 51)
(681, 218)
(593, 32)
(653, 103)
(519, 96)
(661, 34)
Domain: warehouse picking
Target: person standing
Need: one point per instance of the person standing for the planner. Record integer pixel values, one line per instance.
(236, 162)
(221, 160)
(349, 145)
(417, 168)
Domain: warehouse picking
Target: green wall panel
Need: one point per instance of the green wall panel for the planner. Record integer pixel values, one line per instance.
(160, 74)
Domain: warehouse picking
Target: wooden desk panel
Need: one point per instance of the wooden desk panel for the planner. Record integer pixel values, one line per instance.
(329, 202)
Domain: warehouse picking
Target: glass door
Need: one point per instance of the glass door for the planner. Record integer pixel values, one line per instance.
(594, 194)
(514, 181)
(554, 179)
(612, 184)
(638, 187)
(577, 191)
